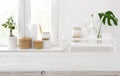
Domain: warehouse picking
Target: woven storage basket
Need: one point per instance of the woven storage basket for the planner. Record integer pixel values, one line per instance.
(25, 43)
(38, 44)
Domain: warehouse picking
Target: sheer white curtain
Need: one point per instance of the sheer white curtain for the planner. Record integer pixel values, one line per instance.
(24, 20)
(55, 22)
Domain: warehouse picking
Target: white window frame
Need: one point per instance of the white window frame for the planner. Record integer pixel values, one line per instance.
(24, 19)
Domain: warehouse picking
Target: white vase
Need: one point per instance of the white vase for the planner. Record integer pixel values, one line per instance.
(12, 42)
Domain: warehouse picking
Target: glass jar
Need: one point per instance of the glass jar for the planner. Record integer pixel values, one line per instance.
(77, 32)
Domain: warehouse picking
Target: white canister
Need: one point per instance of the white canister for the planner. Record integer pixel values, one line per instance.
(46, 39)
(46, 43)
(12, 42)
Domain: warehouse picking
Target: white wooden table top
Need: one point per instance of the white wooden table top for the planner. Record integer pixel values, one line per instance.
(37, 61)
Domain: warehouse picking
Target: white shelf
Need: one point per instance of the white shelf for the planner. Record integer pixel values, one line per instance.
(87, 40)
(52, 49)
(73, 44)
(90, 44)
(82, 42)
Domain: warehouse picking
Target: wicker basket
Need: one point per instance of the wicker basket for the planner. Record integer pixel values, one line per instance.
(38, 44)
(25, 43)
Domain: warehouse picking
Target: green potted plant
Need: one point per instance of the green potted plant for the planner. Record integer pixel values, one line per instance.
(10, 24)
(107, 17)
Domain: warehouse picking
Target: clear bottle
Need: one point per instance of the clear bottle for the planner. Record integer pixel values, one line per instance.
(92, 28)
(85, 31)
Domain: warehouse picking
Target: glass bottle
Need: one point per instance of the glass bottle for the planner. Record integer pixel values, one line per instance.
(85, 31)
(92, 28)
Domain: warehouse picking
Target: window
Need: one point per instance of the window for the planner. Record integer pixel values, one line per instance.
(7, 8)
(41, 13)
(27, 12)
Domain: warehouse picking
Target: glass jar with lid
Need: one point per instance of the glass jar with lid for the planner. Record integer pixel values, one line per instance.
(77, 32)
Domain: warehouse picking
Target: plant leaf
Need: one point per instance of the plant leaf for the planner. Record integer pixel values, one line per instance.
(12, 27)
(115, 21)
(109, 23)
(110, 13)
(10, 24)
(104, 19)
(112, 18)
(101, 15)
(108, 16)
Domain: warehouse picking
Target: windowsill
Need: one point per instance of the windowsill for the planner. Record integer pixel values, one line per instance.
(52, 49)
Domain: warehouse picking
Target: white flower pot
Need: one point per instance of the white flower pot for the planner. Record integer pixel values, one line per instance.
(12, 42)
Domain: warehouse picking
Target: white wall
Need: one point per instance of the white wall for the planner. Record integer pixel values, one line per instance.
(77, 12)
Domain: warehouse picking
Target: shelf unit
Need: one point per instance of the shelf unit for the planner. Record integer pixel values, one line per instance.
(107, 43)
